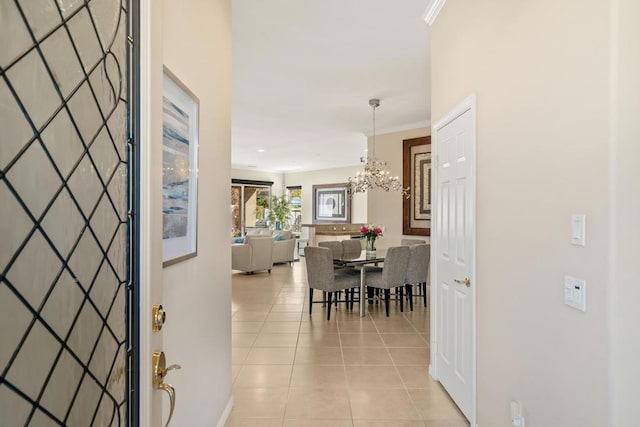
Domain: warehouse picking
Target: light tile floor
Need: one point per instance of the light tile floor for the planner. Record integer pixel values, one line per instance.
(292, 369)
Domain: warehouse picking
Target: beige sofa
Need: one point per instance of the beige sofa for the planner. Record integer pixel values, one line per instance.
(255, 254)
(283, 247)
(283, 243)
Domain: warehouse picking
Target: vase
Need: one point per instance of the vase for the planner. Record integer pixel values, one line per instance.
(370, 247)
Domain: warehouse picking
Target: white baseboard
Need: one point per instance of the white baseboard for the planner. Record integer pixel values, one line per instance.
(225, 414)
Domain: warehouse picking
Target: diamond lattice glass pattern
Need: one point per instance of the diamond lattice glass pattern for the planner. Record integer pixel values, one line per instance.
(63, 212)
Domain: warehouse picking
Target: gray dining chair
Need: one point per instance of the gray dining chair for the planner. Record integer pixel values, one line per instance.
(417, 271)
(336, 248)
(322, 276)
(411, 242)
(351, 246)
(391, 275)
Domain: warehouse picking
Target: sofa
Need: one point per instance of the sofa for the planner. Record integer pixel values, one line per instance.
(283, 243)
(255, 254)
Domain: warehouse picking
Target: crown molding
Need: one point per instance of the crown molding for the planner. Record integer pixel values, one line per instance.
(433, 10)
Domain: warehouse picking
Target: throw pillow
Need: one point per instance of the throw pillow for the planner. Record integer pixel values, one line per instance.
(279, 237)
(239, 239)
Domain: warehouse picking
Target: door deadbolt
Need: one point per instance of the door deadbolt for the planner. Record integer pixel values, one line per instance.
(159, 317)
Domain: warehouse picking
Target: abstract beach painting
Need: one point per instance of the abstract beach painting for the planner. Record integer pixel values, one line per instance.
(179, 170)
(175, 170)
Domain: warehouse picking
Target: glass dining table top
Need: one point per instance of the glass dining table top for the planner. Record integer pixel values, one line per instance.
(360, 258)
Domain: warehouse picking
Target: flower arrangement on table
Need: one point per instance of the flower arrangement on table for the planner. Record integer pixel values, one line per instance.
(371, 233)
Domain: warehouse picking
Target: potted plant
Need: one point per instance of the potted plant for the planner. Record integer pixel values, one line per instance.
(279, 212)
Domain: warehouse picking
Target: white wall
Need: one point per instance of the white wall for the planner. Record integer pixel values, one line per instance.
(326, 176)
(386, 208)
(197, 292)
(625, 247)
(276, 177)
(541, 74)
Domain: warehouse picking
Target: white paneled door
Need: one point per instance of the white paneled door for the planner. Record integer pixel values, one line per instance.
(454, 257)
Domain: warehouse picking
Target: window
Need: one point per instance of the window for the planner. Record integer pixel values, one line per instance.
(249, 205)
(294, 195)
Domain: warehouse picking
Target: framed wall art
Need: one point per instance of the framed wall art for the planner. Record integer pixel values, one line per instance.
(416, 173)
(180, 108)
(331, 203)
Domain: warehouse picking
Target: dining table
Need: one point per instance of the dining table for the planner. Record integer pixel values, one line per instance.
(361, 259)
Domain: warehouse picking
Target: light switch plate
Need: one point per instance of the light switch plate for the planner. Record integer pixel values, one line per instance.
(575, 293)
(578, 230)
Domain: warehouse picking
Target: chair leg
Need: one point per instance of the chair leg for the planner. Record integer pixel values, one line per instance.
(424, 293)
(387, 299)
(330, 294)
(324, 298)
(410, 295)
(310, 300)
(399, 288)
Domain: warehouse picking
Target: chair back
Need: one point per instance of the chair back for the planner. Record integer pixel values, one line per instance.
(395, 266)
(418, 268)
(319, 262)
(351, 246)
(335, 247)
(411, 242)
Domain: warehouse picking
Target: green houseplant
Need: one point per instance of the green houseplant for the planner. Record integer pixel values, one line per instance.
(279, 212)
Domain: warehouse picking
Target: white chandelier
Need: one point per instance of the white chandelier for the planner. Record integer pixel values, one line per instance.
(375, 174)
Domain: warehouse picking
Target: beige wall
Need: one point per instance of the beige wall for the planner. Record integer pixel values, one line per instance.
(326, 176)
(197, 292)
(386, 208)
(624, 330)
(276, 177)
(540, 73)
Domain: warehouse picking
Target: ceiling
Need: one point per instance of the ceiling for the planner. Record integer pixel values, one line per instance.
(304, 71)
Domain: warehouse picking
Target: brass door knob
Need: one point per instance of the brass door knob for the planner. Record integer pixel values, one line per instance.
(160, 370)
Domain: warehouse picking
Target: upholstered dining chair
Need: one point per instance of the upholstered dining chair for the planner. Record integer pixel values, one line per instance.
(417, 271)
(391, 275)
(351, 246)
(336, 248)
(322, 276)
(411, 242)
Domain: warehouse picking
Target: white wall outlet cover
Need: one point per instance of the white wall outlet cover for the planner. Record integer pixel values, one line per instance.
(575, 293)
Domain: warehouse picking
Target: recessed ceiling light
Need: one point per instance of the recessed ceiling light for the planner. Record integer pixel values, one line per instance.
(260, 150)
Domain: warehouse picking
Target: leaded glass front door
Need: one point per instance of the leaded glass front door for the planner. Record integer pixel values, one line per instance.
(65, 228)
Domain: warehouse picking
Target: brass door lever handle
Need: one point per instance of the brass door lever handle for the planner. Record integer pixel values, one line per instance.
(466, 282)
(160, 370)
